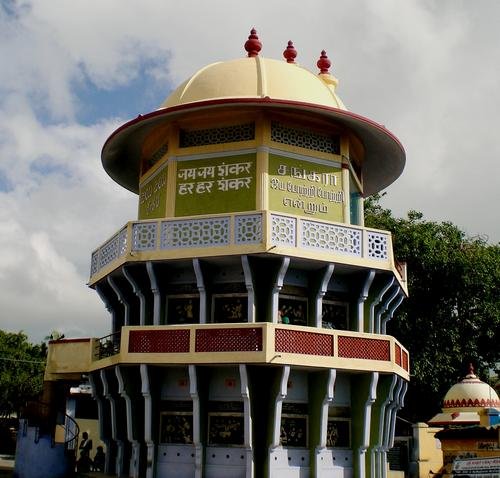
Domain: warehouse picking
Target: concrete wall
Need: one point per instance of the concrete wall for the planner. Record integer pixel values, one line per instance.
(427, 455)
(72, 356)
(38, 457)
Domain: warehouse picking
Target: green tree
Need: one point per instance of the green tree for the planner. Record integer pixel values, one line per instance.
(22, 366)
(452, 316)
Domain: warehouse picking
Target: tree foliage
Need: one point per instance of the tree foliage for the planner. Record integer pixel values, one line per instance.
(21, 371)
(452, 316)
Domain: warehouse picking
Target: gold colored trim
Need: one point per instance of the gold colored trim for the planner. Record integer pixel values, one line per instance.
(262, 174)
(171, 187)
(346, 187)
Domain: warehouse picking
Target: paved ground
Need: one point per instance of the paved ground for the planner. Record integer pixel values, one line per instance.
(6, 466)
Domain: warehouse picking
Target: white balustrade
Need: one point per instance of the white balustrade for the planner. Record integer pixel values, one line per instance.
(242, 230)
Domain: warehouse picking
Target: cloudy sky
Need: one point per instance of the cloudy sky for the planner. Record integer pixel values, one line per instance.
(73, 71)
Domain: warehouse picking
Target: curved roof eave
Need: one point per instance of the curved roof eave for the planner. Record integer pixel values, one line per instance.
(462, 418)
(384, 154)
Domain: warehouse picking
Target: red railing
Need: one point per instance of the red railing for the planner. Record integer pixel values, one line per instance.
(207, 338)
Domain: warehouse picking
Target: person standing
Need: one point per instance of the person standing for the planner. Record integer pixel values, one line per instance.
(84, 463)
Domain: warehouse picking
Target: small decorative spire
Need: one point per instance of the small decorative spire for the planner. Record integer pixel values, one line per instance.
(470, 372)
(290, 52)
(324, 64)
(253, 44)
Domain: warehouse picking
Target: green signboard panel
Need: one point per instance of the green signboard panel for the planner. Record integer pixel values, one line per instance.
(215, 185)
(306, 188)
(153, 195)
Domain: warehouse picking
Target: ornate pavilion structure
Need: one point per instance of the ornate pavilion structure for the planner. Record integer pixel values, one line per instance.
(470, 438)
(248, 302)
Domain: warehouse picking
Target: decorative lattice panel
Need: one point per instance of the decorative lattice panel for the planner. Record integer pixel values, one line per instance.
(405, 361)
(195, 233)
(229, 340)
(304, 138)
(158, 341)
(94, 262)
(327, 237)
(158, 154)
(248, 229)
(122, 242)
(225, 134)
(377, 245)
(398, 355)
(144, 236)
(283, 230)
(114, 248)
(298, 342)
(363, 348)
(155, 157)
(109, 251)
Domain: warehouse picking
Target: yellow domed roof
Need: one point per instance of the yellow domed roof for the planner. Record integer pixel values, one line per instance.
(256, 77)
(265, 84)
(464, 400)
(470, 393)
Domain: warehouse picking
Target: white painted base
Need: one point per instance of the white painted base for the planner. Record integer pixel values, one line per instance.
(289, 463)
(226, 462)
(176, 461)
(334, 463)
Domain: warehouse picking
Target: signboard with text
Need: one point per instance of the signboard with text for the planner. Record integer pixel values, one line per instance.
(480, 467)
(306, 188)
(153, 195)
(210, 186)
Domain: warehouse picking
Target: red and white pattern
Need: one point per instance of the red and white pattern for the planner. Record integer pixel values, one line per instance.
(299, 342)
(363, 348)
(248, 339)
(158, 341)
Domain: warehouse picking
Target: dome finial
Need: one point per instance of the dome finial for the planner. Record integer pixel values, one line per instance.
(253, 44)
(324, 64)
(470, 372)
(290, 52)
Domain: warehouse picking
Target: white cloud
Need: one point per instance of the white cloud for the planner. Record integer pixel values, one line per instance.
(427, 70)
(51, 220)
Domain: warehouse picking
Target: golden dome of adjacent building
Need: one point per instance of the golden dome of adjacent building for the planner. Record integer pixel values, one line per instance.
(464, 400)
